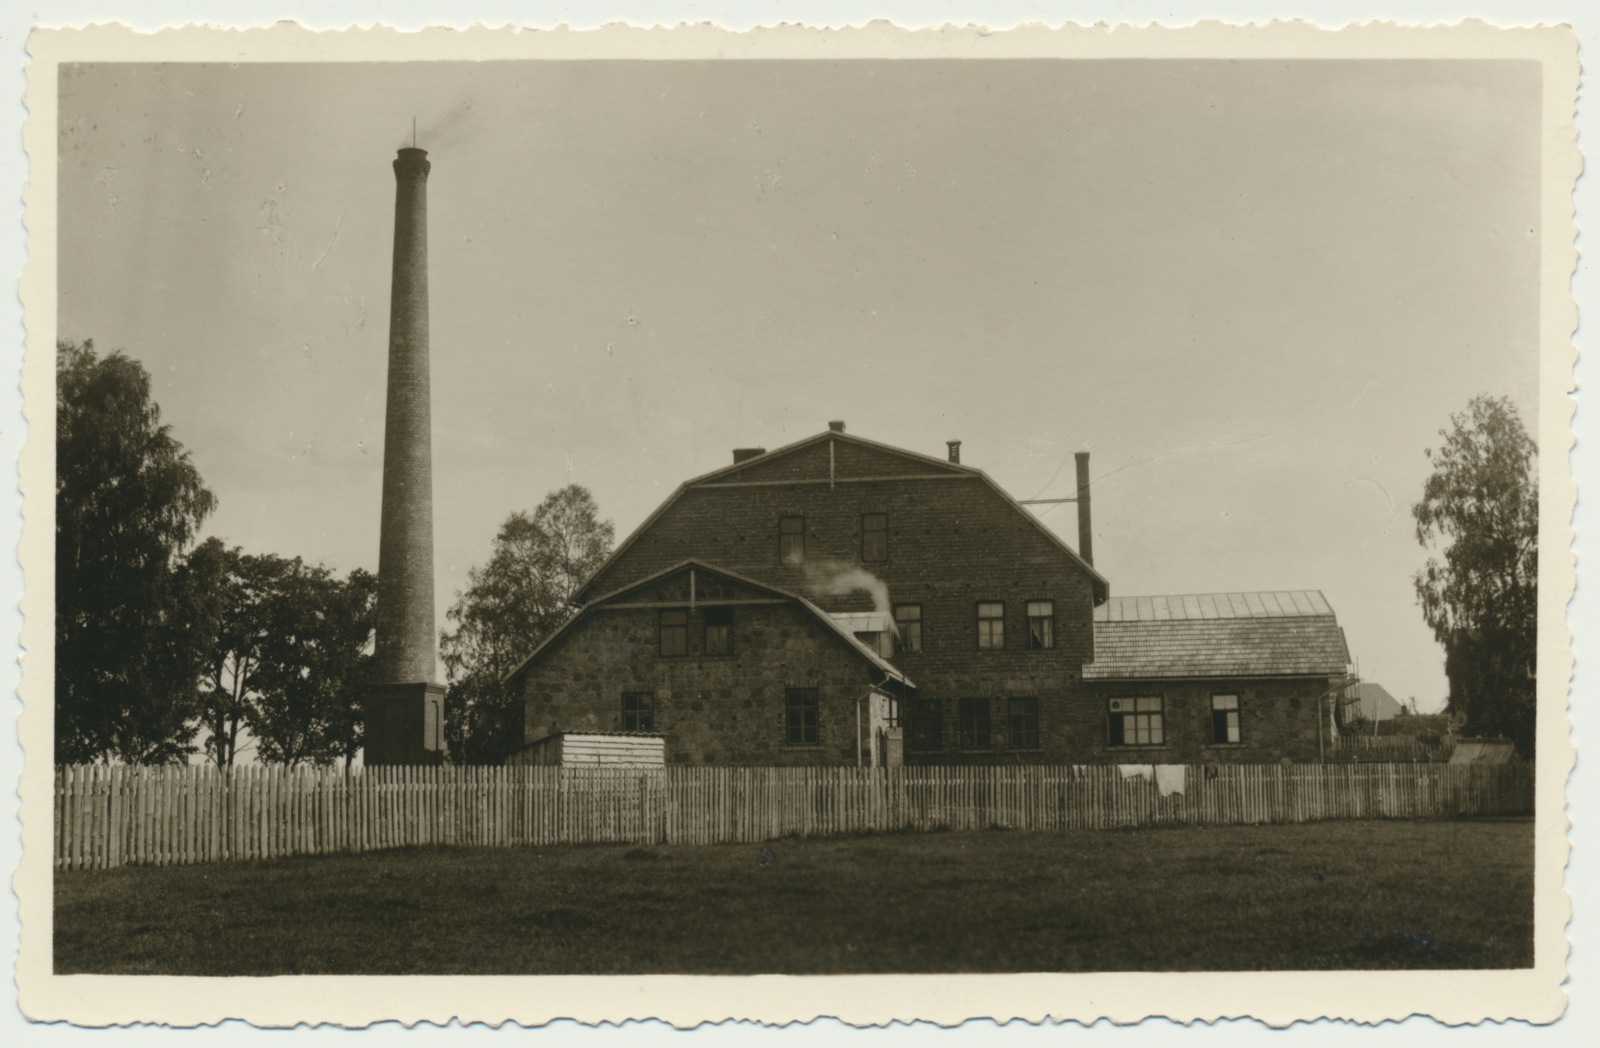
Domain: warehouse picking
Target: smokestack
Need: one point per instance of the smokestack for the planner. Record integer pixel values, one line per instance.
(955, 450)
(404, 721)
(836, 426)
(1085, 533)
(741, 454)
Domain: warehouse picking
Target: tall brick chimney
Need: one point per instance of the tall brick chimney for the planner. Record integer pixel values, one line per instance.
(404, 711)
(1085, 532)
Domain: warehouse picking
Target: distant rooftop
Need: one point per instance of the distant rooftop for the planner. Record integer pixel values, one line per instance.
(1274, 604)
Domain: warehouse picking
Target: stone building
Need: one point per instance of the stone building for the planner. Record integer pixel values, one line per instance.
(730, 670)
(931, 572)
(1216, 677)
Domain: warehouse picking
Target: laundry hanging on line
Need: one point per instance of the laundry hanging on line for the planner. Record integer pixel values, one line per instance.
(1169, 779)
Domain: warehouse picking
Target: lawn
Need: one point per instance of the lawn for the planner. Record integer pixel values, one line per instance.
(1379, 894)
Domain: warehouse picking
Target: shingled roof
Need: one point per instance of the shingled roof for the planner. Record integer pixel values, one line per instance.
(1286, 633)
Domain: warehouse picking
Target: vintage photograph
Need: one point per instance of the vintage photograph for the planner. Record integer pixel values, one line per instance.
(815, 516)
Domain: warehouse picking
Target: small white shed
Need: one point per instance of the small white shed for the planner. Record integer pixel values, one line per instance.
(611, 749)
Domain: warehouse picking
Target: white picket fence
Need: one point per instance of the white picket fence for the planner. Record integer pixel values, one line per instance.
(111, 816)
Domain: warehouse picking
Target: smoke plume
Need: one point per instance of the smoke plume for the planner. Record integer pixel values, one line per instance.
(835, 580)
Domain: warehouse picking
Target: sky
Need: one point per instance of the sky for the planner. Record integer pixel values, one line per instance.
(1253, 291)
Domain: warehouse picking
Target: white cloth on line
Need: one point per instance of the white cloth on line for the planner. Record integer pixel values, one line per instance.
(1169, 778)
(1136, 771)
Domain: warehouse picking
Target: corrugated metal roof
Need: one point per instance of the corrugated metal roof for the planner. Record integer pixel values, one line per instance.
(1284, 633)
(1273, 604)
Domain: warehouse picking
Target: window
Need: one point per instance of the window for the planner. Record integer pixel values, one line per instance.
(719, 631)
(792, 540)
(927, 725)
(801, 714)
(674, 632)
(638, 711)
(974, 724)
(1136, 722)
(908, 620)
(874, 536)
(1022, 723)
(991, 626)
(1225, 718)
(1041, 624)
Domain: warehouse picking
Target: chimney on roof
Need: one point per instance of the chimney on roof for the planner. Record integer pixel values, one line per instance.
(955, 450)
(1085, 533)
(836, 426)
(740, 454)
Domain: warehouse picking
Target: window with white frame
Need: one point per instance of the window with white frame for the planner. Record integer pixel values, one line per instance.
(1137, 721)
(1225, 719)
(991, 626)
(1041, 624)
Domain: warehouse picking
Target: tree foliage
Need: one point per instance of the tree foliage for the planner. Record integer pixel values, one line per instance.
(511, 604)
(128, 612)
(314, 666)
(1481, 503)
(287, 657)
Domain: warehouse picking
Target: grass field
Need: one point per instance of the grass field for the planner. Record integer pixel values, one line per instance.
(1382, 894)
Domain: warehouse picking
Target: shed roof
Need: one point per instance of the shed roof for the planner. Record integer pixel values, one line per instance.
(1288, 633)
(861, 621)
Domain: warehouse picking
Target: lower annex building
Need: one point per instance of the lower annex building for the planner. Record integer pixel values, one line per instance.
(840, 601)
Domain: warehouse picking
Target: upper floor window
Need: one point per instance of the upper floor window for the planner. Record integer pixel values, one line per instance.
(719, 631)
(874, 536)
(974, 724)
(1225, 718)
(1022, 723)
(792, 540)
(1041, 624)
(1137, 722)
(908, 620)
(638, 711)
(801, 717)
(991, 626)
(674, 631)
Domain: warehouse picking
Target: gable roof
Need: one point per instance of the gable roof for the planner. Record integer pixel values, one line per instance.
(1287, 633)
(882, 664)
(1101, 587)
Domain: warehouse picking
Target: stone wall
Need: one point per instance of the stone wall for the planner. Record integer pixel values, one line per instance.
(719, 709)
(1278, 720)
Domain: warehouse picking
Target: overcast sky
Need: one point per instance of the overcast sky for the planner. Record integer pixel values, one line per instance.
(1254, 291)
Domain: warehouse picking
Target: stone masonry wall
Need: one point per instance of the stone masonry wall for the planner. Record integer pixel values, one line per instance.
(1278, 719)
(721, 709)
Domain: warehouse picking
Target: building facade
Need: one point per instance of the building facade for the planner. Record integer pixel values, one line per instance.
(936, 575)
(728, 670)
(1216, 678)
(973, 598)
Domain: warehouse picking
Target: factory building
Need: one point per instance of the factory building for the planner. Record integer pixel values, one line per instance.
(942, 622)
